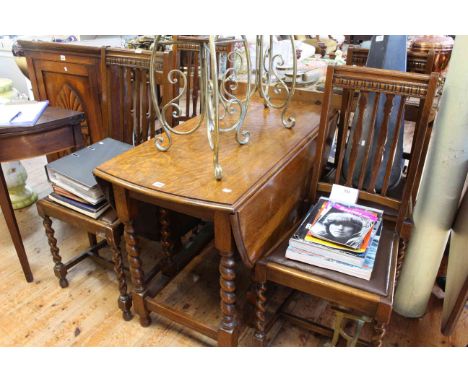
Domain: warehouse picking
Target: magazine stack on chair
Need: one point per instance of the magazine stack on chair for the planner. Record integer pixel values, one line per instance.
(338, 236)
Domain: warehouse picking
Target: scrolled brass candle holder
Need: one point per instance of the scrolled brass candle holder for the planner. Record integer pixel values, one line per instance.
(221, 109)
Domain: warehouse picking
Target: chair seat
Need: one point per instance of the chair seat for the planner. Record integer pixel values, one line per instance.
(380, 281)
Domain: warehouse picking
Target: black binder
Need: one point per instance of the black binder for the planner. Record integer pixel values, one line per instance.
(78, 167)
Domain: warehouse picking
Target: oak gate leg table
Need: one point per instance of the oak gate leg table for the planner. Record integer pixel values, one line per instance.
(56, 130)
(262, 194)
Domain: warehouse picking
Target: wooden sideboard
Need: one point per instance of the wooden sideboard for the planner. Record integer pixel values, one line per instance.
(93, 79)
(69, 77)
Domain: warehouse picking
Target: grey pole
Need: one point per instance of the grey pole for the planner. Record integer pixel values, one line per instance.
(442, 183)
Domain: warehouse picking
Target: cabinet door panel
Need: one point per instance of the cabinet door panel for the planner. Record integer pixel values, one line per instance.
(74, 87)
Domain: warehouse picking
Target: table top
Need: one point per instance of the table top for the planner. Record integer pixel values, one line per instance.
(184, 173)
(52, 117)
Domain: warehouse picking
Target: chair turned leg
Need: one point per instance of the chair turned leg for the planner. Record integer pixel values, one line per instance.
(59, 269)
(124, 300)
(379, 333)
(401, 256)
(260, 315)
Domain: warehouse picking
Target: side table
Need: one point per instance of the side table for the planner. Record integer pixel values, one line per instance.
(56, 130)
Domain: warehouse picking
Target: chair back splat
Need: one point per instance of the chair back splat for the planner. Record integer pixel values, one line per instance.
(128, 110)
(418, 62)
(371, 141)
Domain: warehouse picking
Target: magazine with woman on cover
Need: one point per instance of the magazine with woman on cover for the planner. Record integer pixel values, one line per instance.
(344, 225)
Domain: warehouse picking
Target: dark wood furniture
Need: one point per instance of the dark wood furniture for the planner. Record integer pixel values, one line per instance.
(107, 225)
(186, 58)
(373, 298)
(418, 62)
(87, 79)
(127, 108)
(69, 77)
(261, 195)
(128, 111)
(56, 130)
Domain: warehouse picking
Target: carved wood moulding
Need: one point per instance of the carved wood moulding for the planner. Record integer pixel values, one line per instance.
(405, 89)
(143, 63)
(359, 58)
(69, 99)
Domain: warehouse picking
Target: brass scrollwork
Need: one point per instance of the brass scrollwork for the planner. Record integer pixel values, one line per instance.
(222, 110)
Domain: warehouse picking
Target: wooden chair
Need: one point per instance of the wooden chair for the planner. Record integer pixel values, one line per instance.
(373, 298)
(417, 62)
(128, 112)
(187, 60)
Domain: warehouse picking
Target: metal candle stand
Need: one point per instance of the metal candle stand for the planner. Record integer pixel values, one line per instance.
(217, 94)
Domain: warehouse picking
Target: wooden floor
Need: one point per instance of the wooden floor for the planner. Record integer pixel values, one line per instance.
(86, 314)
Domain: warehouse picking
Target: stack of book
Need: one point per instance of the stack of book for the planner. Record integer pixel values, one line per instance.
(72, 180)
(340, 237)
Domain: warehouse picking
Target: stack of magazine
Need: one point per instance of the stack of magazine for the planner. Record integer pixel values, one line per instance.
(72, 180)
(337, 236)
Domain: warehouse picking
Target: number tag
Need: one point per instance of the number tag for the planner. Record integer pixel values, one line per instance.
(342, 194)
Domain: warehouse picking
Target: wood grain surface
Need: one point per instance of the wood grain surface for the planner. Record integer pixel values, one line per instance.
(186, 169)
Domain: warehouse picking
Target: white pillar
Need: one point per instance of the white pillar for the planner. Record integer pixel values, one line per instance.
(441, 187)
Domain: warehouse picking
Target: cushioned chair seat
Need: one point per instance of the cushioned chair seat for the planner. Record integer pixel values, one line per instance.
(379, 282)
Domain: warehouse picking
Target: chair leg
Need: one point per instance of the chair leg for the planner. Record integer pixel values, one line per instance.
(124, 300)
(401, 256)
(379, 333)
(92, 241)
(260, 314)
(59, 269)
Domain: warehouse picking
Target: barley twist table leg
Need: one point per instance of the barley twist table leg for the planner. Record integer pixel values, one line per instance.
(166, 242)
(228, 289)
(124, 300)
(228, 331)
(137, 274)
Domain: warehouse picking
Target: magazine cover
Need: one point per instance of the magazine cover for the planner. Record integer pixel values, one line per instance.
(344, 225)
(309, 219)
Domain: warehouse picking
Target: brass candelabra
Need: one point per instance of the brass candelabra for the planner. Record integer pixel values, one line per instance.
(218, 98)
